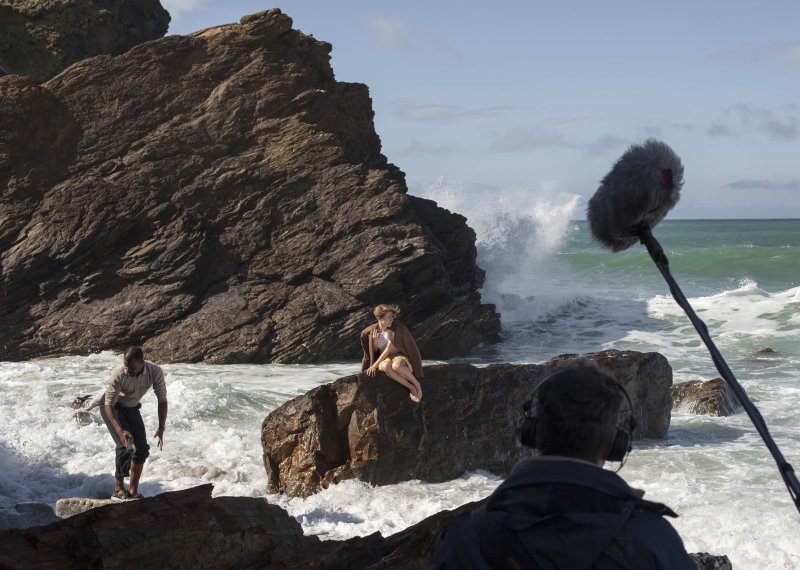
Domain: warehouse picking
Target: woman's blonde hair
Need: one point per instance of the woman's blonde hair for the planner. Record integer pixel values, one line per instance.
(381, 310)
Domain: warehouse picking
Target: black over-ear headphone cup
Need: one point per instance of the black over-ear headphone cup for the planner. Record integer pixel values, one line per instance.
(527, 433)
(620, 447)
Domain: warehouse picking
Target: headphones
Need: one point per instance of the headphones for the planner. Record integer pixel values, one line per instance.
(623, 439)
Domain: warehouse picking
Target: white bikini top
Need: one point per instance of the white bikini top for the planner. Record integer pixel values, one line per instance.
(382, 340)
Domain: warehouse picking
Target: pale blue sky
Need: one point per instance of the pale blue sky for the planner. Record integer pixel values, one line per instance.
(549, 94)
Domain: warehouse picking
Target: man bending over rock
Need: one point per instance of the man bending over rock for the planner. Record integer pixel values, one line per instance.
(126, 386)
(561, 509)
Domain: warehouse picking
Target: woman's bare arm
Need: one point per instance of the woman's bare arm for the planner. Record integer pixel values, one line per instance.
(386, 352)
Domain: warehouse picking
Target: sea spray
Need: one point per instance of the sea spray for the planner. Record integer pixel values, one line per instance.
(518, 230)
(715, 472)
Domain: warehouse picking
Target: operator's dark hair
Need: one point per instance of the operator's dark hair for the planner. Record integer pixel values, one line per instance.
(577, 411)
(133, 354)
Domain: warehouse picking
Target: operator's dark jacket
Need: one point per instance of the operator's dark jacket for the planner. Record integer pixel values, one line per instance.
(560, 513)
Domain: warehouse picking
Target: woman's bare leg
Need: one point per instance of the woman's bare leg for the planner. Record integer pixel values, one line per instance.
(401, 368)
(387, 369)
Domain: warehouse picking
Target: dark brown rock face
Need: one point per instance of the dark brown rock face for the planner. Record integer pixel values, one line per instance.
(183, 529)
(714, 397)
(368, 429)
(417, 548)
(40, 38)
(221, 198)
(189, 529)
(706, 561)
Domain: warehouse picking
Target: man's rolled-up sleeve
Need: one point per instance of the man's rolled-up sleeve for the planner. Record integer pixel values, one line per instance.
(159, 385)
(112, 390)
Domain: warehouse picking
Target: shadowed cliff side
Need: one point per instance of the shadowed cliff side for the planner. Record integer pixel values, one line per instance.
(221, 198)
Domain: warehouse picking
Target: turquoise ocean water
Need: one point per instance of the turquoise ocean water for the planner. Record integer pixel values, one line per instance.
(579, 293)
(558, 292)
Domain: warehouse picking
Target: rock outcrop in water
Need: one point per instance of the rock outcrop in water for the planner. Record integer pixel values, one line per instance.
(714, 397)
(368, 429)
(219, 197)
(189, 529)
(40, 38)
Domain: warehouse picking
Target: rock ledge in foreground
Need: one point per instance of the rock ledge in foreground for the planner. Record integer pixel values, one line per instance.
(188, 529)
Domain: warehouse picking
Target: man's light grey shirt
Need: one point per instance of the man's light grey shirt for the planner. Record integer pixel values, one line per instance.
(128, 390)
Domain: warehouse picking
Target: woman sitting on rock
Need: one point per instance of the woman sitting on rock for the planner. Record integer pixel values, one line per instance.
(390, 348)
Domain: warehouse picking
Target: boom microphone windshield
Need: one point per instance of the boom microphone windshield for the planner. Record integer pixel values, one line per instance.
(640, 189)
(638, 192)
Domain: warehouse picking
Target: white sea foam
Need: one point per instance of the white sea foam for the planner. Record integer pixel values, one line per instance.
(213, 430)
(742, 321)
(353, 508)
(517, 232)
(716, 472)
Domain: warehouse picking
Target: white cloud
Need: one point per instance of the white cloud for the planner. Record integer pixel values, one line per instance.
(650, 131)
(604, 145)
(564, 122)
(421, 149)
(389, 31)
(519, 139)
(763, 184)
(789, 54)
(719, 130)
(785, 55)
(444, 114)
(544, 134)
(782, 124)
(392, 32)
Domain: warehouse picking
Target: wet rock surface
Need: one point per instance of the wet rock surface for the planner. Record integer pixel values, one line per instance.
(219, 197)
(368, 429)
(714, 397)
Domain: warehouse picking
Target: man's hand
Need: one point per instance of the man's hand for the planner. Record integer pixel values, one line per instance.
(125, 437)
(370, 371)
(160, 438)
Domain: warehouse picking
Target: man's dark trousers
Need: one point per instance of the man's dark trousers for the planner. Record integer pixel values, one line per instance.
(129, 420)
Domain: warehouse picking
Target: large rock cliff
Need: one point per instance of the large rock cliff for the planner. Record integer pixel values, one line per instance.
(40, 38)
(221, 198)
